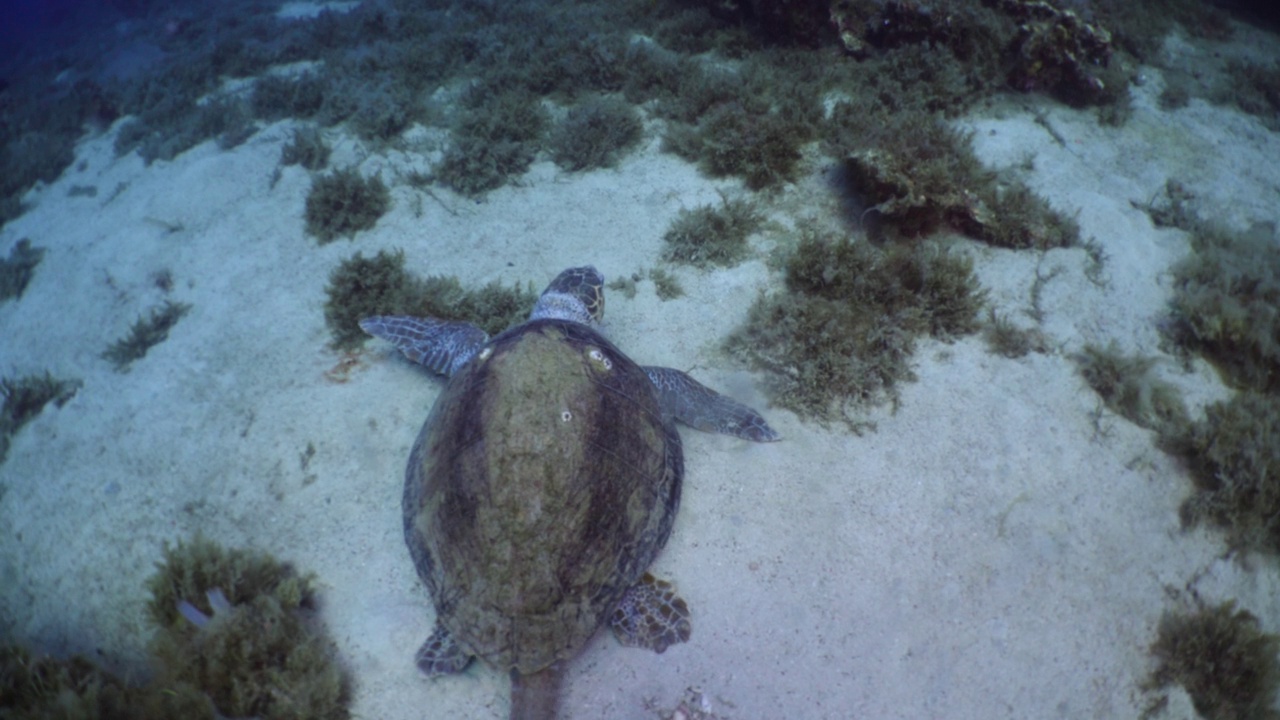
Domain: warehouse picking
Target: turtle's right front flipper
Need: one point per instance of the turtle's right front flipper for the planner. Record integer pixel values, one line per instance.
(697, 405)
(439, 345)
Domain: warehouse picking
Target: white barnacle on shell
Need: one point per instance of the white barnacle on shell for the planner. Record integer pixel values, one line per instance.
(598, 357)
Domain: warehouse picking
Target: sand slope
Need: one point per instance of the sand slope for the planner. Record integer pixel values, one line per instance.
(992, 550)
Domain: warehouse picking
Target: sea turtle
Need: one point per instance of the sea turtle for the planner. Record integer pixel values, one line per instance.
(543, 483)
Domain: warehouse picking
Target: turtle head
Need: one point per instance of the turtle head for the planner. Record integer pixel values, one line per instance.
(576, 294)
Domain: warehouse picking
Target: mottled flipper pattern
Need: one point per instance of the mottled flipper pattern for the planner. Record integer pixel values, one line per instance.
(440, 655)
(651, 615)
(698, 406)
(439, 345)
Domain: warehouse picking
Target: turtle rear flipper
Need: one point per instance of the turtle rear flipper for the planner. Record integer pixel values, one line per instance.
(441, 346)
(651, 615)
(440, 655)
(698, 406)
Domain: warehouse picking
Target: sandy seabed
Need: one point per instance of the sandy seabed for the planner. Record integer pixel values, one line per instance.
(993, 549)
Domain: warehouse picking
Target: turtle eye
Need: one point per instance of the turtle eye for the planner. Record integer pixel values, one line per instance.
(600, 359)
(565, 416)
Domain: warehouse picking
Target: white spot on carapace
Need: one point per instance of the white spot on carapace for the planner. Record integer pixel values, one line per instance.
(600, 358)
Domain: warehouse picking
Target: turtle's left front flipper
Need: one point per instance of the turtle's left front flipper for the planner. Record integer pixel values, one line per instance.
(441, 346)
(698, 406)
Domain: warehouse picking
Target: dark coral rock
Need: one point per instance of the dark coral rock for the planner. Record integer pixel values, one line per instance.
(907, 23)
(1057, 52)
(852, 19)
(804, 20)
(1030, 44)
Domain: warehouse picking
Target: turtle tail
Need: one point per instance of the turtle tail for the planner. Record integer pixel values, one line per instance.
(536, 696)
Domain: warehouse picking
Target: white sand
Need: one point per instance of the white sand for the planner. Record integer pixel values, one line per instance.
(989, 551)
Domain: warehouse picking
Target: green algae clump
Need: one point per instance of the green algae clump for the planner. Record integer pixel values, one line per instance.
(34, 687)
(362, 287)
(843, 334)
(343, 203)
(1234, 457)
(1226, 663)
(242, 626)
(236, 636)
(711, 235)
